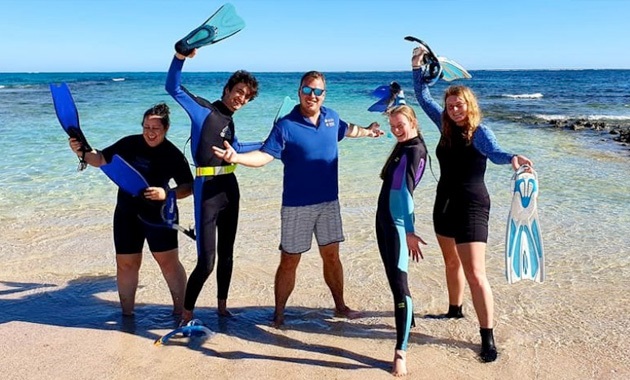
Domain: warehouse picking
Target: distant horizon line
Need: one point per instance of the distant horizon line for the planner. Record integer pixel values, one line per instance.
(291, 72)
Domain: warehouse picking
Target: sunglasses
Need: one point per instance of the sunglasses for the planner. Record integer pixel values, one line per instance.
(306, 90)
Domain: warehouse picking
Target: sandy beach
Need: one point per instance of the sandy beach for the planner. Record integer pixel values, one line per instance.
(59, 322)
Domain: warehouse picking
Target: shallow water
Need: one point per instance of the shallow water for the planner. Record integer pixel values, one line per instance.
(57, 226)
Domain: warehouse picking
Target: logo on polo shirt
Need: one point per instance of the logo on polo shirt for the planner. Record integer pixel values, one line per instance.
(329, 122)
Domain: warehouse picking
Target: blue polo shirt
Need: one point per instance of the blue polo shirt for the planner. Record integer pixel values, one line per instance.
(310, 156)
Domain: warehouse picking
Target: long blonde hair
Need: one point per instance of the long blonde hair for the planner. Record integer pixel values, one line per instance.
(473, 117)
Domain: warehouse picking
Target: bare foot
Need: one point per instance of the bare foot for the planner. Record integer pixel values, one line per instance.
(224, 313)
(399, 366)
(187, 316)
(278, 320)
(222, 309)
(346, 312)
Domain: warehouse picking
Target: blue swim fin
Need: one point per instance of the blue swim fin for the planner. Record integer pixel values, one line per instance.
(391, 95)
(221, 25)
(524, 254)
(68, 116)
(125, 176)
(193, 328)
(285, 108)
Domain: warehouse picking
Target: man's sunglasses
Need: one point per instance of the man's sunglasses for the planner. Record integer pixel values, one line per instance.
(306, 90)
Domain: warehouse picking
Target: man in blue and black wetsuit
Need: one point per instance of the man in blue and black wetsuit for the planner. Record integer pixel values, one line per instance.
(306, 142)
(216, 191)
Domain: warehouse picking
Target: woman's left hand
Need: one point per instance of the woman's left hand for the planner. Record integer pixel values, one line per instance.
(155, 193)
(413, 242)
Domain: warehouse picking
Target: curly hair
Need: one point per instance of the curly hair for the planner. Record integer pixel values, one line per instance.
(243, 76)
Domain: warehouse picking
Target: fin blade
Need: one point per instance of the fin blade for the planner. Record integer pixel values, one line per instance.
(67, 114)
(452, 70)
(285, 108)
(125, 176)
(524, 255)
(223, 23)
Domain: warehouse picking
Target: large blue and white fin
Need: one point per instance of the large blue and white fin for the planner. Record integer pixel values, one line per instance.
(125, 176)
(452, 70)
(221, 25)
(524, 253)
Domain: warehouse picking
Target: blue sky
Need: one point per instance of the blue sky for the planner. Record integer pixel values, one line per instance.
(327, 35)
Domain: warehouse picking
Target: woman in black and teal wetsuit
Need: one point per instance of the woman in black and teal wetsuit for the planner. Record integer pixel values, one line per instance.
(216, 191)
(395, 221)
(462, 204)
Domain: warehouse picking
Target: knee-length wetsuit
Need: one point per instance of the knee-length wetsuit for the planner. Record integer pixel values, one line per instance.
(394, 219)
(462, 204)
(216, 191)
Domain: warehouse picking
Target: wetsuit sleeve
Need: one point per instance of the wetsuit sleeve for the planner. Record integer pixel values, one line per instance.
(426, 101)
(486, 143)
(195, 111)
(407, 175)
(274, 144)
(244, 147)
(120, 147)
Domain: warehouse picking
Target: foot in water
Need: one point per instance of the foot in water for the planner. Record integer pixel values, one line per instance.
(454, 312)
(186, 316)
(222, 309)
(278, 320)
(399, 366)
(348, 313)
(488, 349)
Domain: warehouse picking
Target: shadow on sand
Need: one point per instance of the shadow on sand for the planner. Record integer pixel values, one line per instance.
(79, 305)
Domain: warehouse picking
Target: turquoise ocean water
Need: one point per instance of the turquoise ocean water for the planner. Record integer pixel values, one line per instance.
(46, 206)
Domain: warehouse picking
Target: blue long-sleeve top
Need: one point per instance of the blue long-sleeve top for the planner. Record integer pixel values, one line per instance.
(483, 138)
(211, 123)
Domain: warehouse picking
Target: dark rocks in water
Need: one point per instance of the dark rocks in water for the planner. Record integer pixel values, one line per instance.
(621, 132)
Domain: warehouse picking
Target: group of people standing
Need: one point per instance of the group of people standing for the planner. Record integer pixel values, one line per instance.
(306, 141)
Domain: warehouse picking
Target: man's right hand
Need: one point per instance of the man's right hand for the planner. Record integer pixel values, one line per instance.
(228, 154)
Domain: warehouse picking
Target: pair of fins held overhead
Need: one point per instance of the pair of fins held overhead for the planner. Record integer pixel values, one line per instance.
(437, 67)
(434, 67)
(524, 253)
(221, 25)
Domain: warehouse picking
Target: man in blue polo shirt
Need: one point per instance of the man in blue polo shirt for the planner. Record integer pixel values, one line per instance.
(305, 141)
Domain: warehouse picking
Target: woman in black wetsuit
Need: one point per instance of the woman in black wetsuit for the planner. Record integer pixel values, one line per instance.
(462, 203)
(395, 221)
(159, 161)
